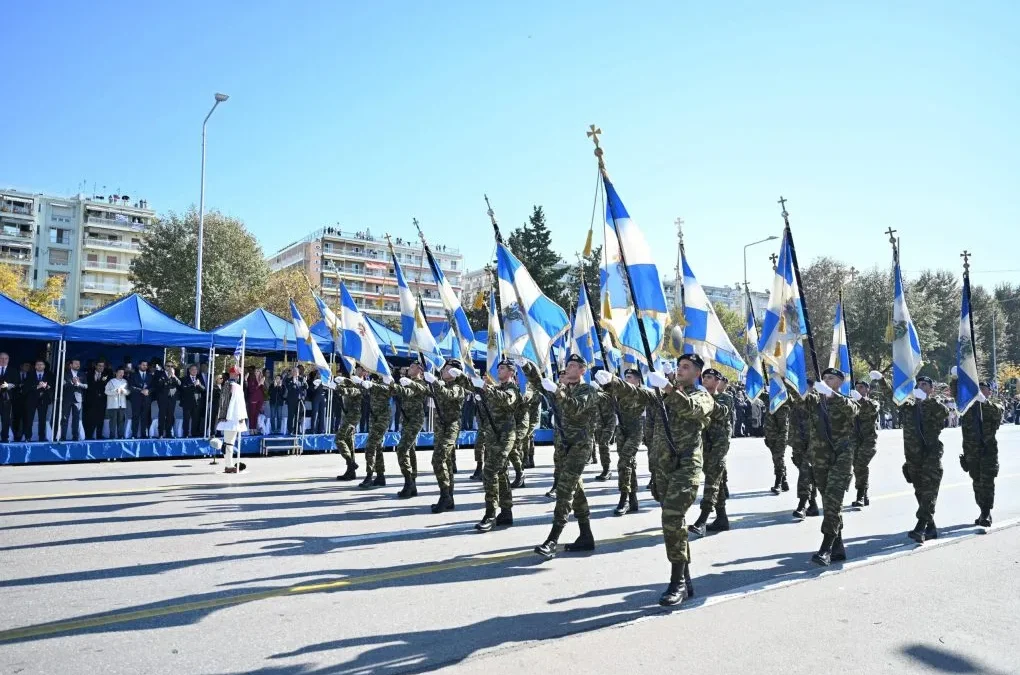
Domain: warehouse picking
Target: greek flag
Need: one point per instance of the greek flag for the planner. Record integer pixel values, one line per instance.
(239, 350)
(531, 321)
(583, 337)
(494, 342)
(621, 312)
(704, 334)
(783, 327)
(451, 303)
(613, 354)
(308, 349)
(840, 356)
(967, 389)
(906, 348)
(754, 380)
(332, 322)
(358, 340)
(777, 391)
(413, 326)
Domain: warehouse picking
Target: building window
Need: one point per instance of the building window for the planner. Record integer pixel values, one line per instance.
(58, 257)
(92, 257)
(111, 260)
(59, 235)
(453, 264)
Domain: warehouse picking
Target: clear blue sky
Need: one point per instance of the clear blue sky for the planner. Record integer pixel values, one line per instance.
(902, 114)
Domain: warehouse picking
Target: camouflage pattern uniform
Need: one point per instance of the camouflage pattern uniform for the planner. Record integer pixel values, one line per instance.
(349, 395)
(379, 424)
(833, 454)
(631, 401)
(777, 431)
(716, 442)
(865, 441)
(502, 401)
(606, 428)
(800, 442)
(980, 424)
(534, 421)
(449, 398)
(521, 423)
(923, 421)
(677, 477)
(412, 406)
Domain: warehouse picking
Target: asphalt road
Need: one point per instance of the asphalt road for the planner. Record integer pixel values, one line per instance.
(171, 567)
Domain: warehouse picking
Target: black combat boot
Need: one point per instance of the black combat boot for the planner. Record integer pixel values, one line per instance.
(380, 479)
(367, 482)
(604, 475)
(917, 534)
(800, 513)
(505, 518)
(985, 519)
(634, 507)
(405, 492)
(687, 580)
(931, 532)
(453, 464)
(487, 521)
(824, 555)
(518, 480)
(784, 485)
(721, 522)
(698, 526)
(778, 487)
(584, 542)
(548, 548)
(621, 508)
(676, 592)
(350, 473)
(445, 502)
(812, 507)
(551, 494)
(838, 550)
(477, 475)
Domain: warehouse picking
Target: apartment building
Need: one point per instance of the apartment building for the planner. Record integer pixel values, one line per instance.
(731, 297)
(362, 260)
(89, 241)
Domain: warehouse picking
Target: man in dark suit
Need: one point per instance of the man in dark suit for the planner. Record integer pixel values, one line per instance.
(95, 401)
(297, 389)
(72, 402)
(192, 397)
(38, 394)
(317, 395)
(18, 403)
(8, 392)
(141, 386)
(167, 387)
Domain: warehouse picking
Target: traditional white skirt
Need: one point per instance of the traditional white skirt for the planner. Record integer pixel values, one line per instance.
(231, 425)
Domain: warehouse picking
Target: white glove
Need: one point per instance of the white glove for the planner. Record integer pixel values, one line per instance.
(875, 375)
(356, 380)
(405, 382)
(920, 395)
(387, 380)
(478, 397)
(478, 382)
(430, 378)
(549, 385)
(657, 379)
(855, 395)
(596, 386)
(667, 368)
(455, 372)
(339, 379)
(367, 384)
(823, 389)
(440, 383)
(981, 397)
(603, 377)
(953, 371)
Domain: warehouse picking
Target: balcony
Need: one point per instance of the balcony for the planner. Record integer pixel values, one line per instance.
(115, 244)
(113, 223)
(106, 266)
(15, 234)
(16, 257)
(104, 287)
(16, 211)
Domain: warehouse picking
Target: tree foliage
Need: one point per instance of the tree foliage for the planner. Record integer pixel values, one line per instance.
(532, 244)
(234, 272)
(41, 300)
(589, 266)
(292, 284)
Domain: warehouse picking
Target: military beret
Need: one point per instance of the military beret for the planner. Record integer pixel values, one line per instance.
(835, 372)
(577, 358)
(455, 363)
(713, 372)
(506, 362)
(925, 378)
(632, 371)
(864, 383)
(693, 358)
(984, 384)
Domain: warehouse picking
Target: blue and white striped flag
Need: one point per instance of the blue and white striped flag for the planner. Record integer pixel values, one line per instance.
(840, 355)
(620, 313)
(704, 334)
(332, 322)
(308, 349)
(906, 348)
(777, 391)
(583, 336)
(494, 342)
(754, 378)
(531, 321)
(359, 341)
(967, 389)
(784, 328)
(455, 315)
(239, 350)
(413, 326)
(613, 355)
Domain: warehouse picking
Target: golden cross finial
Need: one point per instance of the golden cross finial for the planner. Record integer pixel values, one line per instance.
(593, 133)
(966, 261)
(782, 203)
(775, 261)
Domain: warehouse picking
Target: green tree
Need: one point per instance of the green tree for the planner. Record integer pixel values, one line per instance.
(532, 244)
(867, 304)
(234, 272)
(14, 285)
(591, 265)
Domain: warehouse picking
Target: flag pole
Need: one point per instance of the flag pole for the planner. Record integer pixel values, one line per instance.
(593, 134)
(973, 340)
(754, 320)
(800, 288)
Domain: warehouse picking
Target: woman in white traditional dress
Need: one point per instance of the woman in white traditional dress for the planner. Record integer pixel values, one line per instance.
(233, 419)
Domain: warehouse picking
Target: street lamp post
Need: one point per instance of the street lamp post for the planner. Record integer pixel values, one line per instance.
(753, 243)
(220, 98)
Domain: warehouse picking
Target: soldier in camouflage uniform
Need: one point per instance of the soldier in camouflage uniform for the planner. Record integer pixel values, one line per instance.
(412, 392)
(349, 395)
(499, 402)
(479, 445)
(833, 415)
(865, 437)
(575, 406)
(379, 423)
(449, 393)
(631, 399)
(801, 456)
(716, 444)
(777, 431)
(980, 456)
(924, 417)
(521, 422)
(677, 470)
(559, 450)
(534, 421)
(651, 419)
(605, 429)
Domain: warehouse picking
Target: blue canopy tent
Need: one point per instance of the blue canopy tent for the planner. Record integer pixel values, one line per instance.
(263, 331)
(133, 321)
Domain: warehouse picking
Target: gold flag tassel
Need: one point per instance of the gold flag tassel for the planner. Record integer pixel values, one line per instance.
(587, 243)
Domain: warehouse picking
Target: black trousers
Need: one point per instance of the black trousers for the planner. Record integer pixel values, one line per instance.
(95, 415)
(72, 414)
(30, 412)
(141, 416)
(295, 416)
(167, 409)
(5, 420)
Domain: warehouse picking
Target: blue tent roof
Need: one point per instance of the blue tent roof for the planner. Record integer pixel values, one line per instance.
(133, 321)
(390, 342)
(266, 332)
(20, 322)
